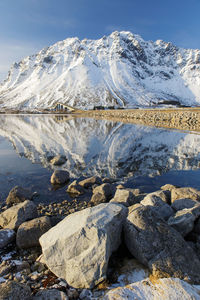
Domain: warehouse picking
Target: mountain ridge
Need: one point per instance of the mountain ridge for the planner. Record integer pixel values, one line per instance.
(120, 70)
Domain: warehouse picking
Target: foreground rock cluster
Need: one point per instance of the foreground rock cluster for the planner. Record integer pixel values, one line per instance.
(69, 257)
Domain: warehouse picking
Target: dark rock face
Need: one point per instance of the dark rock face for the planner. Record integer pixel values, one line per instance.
(17, 195)
(158, 246)
(6, 236)
(14, 291)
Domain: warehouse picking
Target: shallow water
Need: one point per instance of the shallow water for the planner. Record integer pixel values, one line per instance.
(140, 156)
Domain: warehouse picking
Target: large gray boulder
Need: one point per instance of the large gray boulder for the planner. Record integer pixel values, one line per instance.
(59, 177)
(29, 232)
(162, 289)
(6, 236)
(79, 247)
(14, 291)
(155, 244)
(17, 195)
(162, 208)
(14, 216)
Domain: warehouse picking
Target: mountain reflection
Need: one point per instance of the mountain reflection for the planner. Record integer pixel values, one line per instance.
(99, 147)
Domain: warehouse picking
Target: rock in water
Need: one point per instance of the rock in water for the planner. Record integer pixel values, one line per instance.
(17, 195)
(155, 244)
(79, 247)
(59, 177)
(162, 289)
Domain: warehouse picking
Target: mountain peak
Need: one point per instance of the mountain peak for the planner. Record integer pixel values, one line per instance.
(117, 70)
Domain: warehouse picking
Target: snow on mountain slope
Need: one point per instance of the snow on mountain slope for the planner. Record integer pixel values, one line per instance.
(101, 147)
(121, 70)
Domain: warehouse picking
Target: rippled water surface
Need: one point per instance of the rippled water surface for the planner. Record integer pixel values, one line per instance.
(140, 156)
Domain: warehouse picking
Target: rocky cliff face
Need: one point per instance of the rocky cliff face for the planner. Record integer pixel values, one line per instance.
(118, 70)
(101, 148)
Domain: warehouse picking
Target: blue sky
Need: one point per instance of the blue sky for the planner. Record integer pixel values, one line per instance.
(26, 26)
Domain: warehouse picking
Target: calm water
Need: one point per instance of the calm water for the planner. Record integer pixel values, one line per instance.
(140, 156)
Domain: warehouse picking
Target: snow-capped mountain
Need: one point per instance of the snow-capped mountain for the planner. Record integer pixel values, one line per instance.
(118, 70)
(104, 148)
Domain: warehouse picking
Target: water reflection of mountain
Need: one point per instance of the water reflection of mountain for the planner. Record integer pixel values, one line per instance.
(101, 147)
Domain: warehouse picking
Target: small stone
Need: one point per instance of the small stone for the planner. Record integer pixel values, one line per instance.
(58, 160)
(51, 294)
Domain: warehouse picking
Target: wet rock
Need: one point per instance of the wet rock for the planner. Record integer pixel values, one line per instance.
(89, 182)
(75, 189)
(166, 288)
(85, 294)
(59, 177)
(155, 244)
(29, 232)
(186, 192)
(180, 204)
(160, 207)
(6, 236)
(183, 220)
(14, 291)
(78, 248)
(17, 195)
(14, 216)
(51, 294)
(58, 160)
(124, 197)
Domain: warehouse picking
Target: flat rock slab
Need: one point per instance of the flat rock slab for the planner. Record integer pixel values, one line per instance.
(6, 236)
(14, 216)
(79, 247)
(162, 289)
(155, 244)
